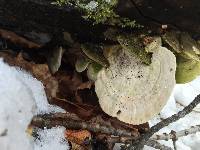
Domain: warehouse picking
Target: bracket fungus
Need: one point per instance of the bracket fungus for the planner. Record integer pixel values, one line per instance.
(131, 90)
(187, 52)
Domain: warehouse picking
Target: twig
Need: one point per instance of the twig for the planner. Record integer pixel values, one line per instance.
(49, 120)
(174, 144)
(151, 143)
(157, 145)
(178, 134)
(139, 144)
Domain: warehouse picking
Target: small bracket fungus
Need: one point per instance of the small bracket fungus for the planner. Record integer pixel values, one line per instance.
(93, 61)
(187, 51)
(187, 70)
(133, 91)
(182, 44)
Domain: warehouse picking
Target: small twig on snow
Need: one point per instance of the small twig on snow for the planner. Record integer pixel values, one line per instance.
(164, 136)
(174, 144)
(157, 145)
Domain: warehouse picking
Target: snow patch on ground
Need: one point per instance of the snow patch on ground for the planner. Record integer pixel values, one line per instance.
(37, 90)
(182, 95)
(17, 108)
(49, 137)
(22, 97)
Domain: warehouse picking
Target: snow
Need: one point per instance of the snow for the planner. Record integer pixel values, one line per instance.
(22, 97)
(48, 138)
(37, 90)
(185, 93)
(17, 107)
(181, 96)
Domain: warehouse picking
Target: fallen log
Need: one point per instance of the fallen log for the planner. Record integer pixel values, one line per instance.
(40, 15)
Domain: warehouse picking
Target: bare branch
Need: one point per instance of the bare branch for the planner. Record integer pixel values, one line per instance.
(139, 144)
(152, 143)
(174, 144)
(157, 145)
(164, 136)
(50, 120)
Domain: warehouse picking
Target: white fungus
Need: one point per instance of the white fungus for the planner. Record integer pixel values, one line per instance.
(132, 91)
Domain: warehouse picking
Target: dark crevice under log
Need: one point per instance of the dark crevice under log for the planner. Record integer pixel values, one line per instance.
(42, 16)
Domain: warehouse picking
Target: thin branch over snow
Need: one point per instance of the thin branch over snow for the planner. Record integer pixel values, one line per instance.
(157, 145)
(178, 134)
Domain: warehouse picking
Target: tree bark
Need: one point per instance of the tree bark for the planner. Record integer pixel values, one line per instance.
(40, 15)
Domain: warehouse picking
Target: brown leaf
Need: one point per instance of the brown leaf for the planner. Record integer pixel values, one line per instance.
(79, 137)
(83, 111)
(75, 146)
(85, 85)
(39, 71)
(18, 40)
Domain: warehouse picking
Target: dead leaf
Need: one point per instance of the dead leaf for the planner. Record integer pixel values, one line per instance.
(18, 40)
(79, 137)
(85, 112)
(75, 146)
(85, 85)
(68, 84)
(39, 71)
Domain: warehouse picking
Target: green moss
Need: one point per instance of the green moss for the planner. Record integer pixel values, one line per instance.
(133, 46)
(99, 11)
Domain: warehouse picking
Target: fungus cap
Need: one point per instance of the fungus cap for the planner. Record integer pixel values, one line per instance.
(133, 91)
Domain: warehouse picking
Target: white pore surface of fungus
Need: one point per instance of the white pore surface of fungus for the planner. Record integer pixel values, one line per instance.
(183, 94)
(132, 91)
(21, 97)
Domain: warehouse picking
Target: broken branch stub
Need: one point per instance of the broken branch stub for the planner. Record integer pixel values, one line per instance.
(133, 91)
